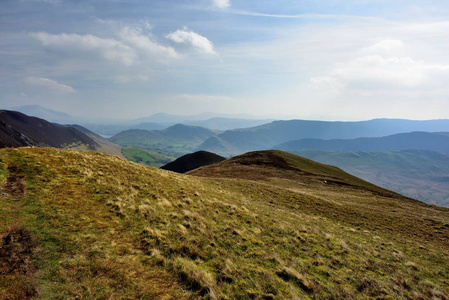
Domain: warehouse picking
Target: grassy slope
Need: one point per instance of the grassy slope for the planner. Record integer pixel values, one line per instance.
(102, 227)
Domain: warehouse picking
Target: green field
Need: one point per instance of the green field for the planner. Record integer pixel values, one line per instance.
(147, 157)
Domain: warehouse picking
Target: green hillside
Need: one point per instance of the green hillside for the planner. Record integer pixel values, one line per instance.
(176, 140)
(146, 157)
(84, 225)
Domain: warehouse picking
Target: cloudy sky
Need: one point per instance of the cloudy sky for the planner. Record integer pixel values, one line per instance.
(329, 59)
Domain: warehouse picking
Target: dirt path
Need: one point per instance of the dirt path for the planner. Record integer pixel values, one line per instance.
(17, 245)
(14, 186)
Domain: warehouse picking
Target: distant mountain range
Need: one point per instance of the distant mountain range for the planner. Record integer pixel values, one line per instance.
(177, 140)
(228, 123)
(213, 123)
(164, 118)
(270, 135)
(156, 121)
(403, 141)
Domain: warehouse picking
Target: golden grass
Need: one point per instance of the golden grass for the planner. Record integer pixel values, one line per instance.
(111, 229)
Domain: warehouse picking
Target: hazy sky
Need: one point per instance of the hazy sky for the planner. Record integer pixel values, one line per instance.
(328, 59)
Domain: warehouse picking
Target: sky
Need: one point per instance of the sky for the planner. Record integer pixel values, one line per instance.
(325, 60)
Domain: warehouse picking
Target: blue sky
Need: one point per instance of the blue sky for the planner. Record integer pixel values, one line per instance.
(331, 60)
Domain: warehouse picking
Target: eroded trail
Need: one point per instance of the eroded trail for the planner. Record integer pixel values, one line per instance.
(17, 248)
(13, 187)
(17, 244)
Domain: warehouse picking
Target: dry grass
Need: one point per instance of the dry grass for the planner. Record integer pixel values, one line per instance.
(113, 229)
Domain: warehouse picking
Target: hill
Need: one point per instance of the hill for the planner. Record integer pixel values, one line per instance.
(269, 135)
(192, 161)
(419, 174)
(438, 142)
(146, 157)
(176, 140)
(78, 224)
(272, 166)
(105, 146)
(19, 130)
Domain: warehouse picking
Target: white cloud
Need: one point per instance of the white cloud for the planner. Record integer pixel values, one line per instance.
(382, 81)
(377, 71)
(221, 3)
(49, 85)
(385, 48)
(109, 49)
(144, 44)
(192, 39)
(130, 47)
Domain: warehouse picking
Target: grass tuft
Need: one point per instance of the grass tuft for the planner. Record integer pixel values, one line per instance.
(289, 274)
(195, 277)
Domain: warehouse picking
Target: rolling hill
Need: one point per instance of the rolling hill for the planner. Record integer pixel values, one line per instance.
(192, 161)
(269, 135)
(19, 130)
(176, 140)
(105, 146)
(78, 224)
(438, 142)
(146, 157)
(273, 165)
(419, 174)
